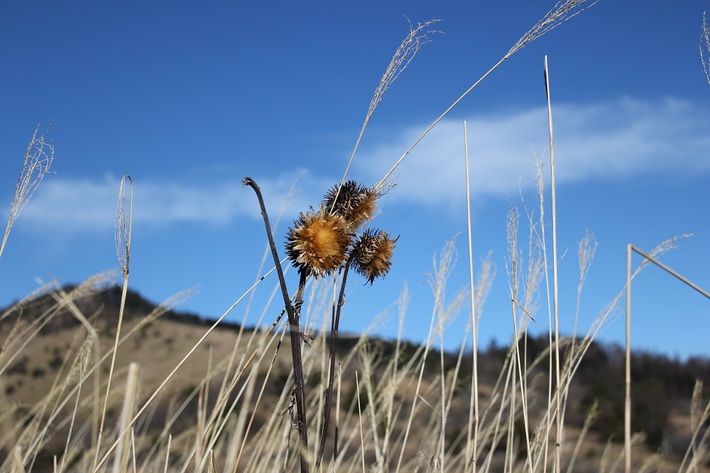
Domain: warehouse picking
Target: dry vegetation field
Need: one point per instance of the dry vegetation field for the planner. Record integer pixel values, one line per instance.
(235, 394)
(93, 378)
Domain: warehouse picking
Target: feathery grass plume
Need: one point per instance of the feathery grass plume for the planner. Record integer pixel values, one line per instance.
(372, 254)
(318, 243)
(404, 54)
(38, 161)
(586, 250)
(352, 201)
(406, 51)
(704, 47)
(562, 12)
(124, 225)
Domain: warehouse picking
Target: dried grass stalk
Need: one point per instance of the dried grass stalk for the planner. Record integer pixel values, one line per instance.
(404, 54)
(562, 12)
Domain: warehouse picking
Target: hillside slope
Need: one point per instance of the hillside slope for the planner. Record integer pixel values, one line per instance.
(235, 384)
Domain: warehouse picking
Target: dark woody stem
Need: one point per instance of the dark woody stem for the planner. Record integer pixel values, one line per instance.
(331, 372)
(294, 330)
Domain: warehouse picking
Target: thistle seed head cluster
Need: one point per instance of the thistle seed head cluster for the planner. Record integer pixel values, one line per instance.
(354, 202)
(324, 241)
(372, 254)
(318, 242)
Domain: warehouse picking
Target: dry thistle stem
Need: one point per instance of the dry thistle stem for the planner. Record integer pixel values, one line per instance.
(318, 243)
(372, 254)
(294, 332)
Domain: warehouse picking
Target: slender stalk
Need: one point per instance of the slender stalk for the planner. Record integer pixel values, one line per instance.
(627, 379)
(120, 461)
(543, 247)
(167, 453)
(331, 370)
(336, 436)
(253, 415)
(555, 292)
(438, 283)
(473, 406)
(294, 330)
(588, 421)
(124, 226)
(359, 416)
(442, 387)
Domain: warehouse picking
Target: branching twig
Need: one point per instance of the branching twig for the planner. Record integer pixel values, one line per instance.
(294, 329)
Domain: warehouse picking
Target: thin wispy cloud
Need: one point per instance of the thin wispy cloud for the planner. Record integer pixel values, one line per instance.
(612, 140)
(70, 205)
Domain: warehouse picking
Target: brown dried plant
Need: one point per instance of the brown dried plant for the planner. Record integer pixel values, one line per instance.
(320, 243)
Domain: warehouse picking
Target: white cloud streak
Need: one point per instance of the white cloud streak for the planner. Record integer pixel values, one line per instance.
(70, 205)
(614, 140)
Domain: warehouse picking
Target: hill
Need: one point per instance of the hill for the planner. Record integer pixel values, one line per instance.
(232, 394)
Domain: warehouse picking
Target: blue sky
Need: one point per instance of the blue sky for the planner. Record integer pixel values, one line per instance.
(190, 97)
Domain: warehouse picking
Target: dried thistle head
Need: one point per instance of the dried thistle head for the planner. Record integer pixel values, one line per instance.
(318, 242)
(372, 254)
(354, 202)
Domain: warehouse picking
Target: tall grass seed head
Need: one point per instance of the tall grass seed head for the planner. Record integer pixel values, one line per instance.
(318, 242)
(372, 254)
(354, 202)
